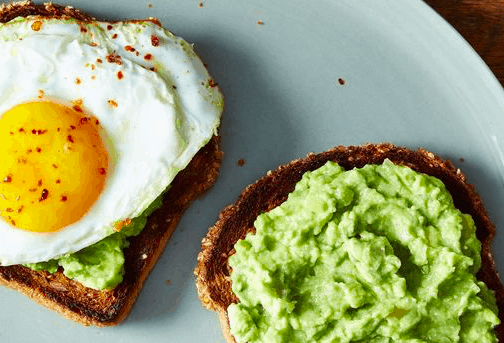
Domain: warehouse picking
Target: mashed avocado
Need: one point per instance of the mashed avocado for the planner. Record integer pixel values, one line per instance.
(101, 265)
(377, 254)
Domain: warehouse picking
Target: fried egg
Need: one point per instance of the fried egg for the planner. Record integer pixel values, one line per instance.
(96, 120)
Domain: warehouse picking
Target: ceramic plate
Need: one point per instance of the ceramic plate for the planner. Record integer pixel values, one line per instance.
(315, 74)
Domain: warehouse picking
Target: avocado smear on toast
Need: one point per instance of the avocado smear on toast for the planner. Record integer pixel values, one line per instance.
(101, 265)
(377, 254)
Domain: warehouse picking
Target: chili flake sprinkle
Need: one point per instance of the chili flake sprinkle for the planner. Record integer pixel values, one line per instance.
(154, 40)
(45, 194)
(37, 25)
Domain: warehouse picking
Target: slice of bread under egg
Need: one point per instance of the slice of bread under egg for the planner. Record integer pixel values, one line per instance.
(237, 220)
(110, 306)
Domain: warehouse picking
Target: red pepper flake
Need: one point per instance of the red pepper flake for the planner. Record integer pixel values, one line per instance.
(70, 139)
(11, 133)
(83, 29)
(38, 149)
(114, 36)
(154, 40)
(29, 151)
(84, 120)
(39, 183)
(77, 108)
(38, 132)
(8, 209)
(102, 171)
(58, 129)
(33, 189)
(97, 122)
(114, 58)
(13, 222)
(37, 25)
(137, 53)
(120, 75)
(63, 198)
(341, 81)
(241, 162)
(8, 178)
(212, 83)
(99, 61)
(109, 27)
(58, 181)
(200, 5)
(113, 103)
(148, 57)
(259, 22)
(21, 130)
(174, 87)
(20, 209)
(54, 166)
(77, 81)
(45, 194)
(72, 127)
(153, 69)
(93, 44)
(129, 48)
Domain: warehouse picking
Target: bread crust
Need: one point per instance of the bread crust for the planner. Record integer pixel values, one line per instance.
(109, 307)
(236, 220)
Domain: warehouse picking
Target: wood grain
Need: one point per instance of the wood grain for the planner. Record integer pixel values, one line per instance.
(481, 23)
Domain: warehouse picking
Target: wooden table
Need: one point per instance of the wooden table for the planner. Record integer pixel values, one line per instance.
(481, 23)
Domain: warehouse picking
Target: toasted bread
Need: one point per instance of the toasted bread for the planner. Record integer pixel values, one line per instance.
(235, 221)
(109, 307)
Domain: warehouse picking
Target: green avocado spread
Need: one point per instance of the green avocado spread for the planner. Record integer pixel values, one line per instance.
(101, 265)
(378, 254)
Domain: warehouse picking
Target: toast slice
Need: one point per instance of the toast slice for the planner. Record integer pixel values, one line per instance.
(109, 307)
(236, 220)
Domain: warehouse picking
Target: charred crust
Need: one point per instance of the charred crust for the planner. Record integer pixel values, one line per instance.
(236, 220)
(9, 11)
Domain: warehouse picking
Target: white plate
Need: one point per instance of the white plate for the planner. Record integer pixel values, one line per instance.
(410, 79)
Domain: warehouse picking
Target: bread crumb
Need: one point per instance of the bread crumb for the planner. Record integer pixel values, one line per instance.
(241, 162)
(201, 5)
(144, 256)
(168, 282)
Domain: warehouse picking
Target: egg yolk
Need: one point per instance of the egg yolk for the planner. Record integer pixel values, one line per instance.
(53, 165)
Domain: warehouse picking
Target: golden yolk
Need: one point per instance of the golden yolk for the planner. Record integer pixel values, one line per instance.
(53, 165)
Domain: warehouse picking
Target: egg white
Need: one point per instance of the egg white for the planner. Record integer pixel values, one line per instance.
(162, 117)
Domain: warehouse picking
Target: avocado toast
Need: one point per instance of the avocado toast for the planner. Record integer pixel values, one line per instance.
(237, 220)
(109, 306)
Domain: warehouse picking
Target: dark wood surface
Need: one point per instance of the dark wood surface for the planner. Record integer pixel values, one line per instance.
(481, 23)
